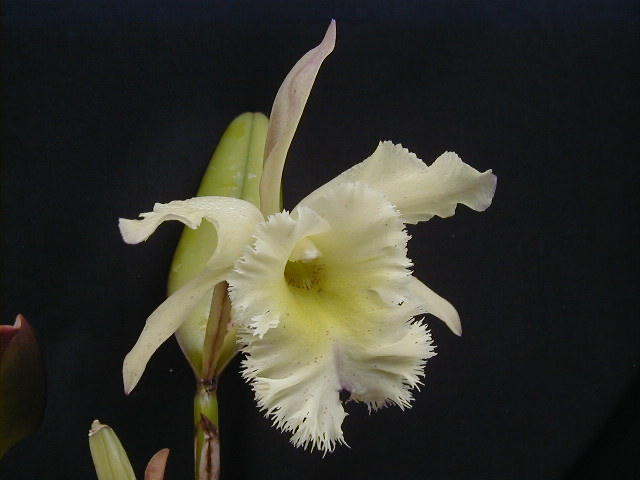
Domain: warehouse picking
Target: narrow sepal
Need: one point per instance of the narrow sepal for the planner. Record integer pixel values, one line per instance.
(285, 116)
(428, 301)
(164, 322)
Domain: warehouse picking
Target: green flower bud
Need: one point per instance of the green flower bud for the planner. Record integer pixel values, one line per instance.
(234, 171)
(109, 457)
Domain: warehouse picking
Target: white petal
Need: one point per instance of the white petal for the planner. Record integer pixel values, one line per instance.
(382, 371)
(234, 219)
(419, 191)
(344, 326)
(427, 301)
(285, 116)
(299, 389)
(166, 319)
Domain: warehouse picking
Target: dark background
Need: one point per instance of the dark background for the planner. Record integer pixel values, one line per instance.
(112, 106)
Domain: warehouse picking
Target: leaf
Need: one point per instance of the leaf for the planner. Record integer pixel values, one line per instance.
(23, 387)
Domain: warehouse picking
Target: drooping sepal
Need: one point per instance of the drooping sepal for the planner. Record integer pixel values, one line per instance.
(234, 220)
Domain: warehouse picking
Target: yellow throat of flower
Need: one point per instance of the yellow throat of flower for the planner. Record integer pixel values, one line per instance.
(303, 269)
(304, 275)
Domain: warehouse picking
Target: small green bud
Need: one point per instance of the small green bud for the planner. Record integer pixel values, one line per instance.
(109, 457)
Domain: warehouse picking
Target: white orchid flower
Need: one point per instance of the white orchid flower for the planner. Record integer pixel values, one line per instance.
(323, 296)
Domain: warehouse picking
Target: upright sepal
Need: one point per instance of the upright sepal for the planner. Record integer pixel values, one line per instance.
(285, 116)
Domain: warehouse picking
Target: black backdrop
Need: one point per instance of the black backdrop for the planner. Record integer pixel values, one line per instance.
(112, 106)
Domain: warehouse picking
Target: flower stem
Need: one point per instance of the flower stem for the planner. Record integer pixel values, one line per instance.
(207, 439)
